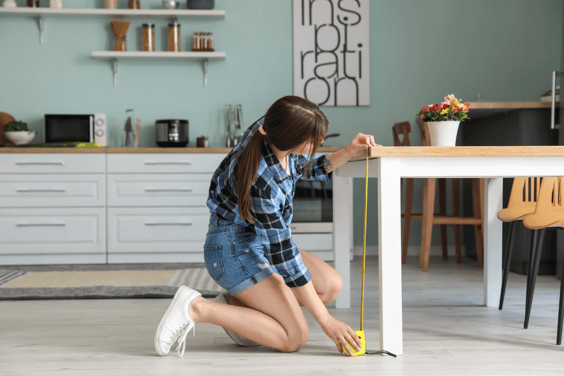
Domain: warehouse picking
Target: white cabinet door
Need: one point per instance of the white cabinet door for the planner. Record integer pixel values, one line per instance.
(158, 189)
(164, 163)
(54, 190)
(49, 163)
(59, 231)
(157, 230)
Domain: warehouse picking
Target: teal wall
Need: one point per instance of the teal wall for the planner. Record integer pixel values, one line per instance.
(421, 50)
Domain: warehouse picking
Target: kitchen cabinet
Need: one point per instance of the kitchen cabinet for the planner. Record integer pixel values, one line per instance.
(52, 208)
(509, 124)
(156, 234)
(115, 205)
(157, 206)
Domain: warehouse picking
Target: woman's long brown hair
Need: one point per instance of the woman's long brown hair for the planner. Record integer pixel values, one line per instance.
(290, 122)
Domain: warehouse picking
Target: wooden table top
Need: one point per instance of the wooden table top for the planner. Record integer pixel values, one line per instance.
(465, 151)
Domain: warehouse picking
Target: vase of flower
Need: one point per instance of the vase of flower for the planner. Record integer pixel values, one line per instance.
(443, 133)
(443, 120)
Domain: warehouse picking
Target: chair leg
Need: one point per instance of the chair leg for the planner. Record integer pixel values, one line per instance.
(427, 222)
(456, 209)
(535, 271)
(507, 263)
(561, 309)
(531, 263)
(407, 219)
(442, 211)
(477, 209)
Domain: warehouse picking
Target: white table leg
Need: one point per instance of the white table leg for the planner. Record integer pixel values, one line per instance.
(492, 241)
(389, 256)
(342, 224)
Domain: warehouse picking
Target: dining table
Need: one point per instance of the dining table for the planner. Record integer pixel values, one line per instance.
(389, 165)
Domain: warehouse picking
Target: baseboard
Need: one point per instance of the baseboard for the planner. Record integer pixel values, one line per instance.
(411, 250)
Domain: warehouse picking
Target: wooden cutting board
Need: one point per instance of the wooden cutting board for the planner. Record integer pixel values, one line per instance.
(5, 119)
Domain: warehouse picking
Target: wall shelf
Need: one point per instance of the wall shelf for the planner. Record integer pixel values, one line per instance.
(114, 12)
(115, 55)
(120, 13)
(39, 13)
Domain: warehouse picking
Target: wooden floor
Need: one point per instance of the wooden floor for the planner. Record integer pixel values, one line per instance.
(447, 331)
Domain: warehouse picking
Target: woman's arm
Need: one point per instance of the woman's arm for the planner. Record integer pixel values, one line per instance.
(354, 149)
(338, 331)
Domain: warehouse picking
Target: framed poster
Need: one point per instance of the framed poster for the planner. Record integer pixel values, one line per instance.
(332, 52)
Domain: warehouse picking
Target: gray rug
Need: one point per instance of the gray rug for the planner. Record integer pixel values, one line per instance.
(11, 273)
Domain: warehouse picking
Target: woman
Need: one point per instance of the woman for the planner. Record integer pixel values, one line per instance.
(249, 249)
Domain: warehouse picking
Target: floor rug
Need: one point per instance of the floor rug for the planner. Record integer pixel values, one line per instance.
(102, 282)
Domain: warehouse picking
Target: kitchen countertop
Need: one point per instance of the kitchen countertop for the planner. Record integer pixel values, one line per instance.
(24, 150)
(480, 109)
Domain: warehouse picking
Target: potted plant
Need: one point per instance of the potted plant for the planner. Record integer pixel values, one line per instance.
(17, 132)
(443, 119)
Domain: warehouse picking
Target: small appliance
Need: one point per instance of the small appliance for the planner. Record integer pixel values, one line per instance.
(76, 128)
(172, 133)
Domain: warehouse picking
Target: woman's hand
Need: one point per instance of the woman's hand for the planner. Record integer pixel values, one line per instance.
(341, 333)
(360, 143)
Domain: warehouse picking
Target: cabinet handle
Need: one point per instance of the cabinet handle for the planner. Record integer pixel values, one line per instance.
(42, 190)
(293, 227)
(168, 223)
(149, 189)
(40, 163)
(167, 162)
(40, 224)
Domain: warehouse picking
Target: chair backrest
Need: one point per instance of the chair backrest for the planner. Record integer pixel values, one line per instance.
(403, 128)
(551, 197)
(550, 205)
(525, 191)
(425, 136)
(523, 199)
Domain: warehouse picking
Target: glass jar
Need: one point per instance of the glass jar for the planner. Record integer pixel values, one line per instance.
(111, 4)
(174, 37)
(148, 36)
(134, 4)
(56, 4)
(33, 3)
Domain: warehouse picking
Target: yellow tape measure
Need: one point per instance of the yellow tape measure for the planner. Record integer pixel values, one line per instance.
(360, 332)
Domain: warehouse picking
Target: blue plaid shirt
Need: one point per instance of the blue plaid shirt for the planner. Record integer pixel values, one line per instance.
(271, 206)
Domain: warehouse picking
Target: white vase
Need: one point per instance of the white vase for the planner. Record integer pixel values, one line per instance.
(443, 133)
(56, 3)
(9, 4)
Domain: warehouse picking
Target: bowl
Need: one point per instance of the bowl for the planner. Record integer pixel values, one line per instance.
(20, 137)
(167, 4)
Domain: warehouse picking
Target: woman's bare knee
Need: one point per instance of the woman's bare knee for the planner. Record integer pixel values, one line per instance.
(296, 340)
(333, 287)
(275, 299)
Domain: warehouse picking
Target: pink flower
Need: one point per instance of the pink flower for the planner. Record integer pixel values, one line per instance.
(449, 99)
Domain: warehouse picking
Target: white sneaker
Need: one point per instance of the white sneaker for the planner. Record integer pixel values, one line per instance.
(238, 339)
(176, 322)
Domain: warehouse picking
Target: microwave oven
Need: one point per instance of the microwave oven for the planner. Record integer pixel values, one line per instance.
(76, 128)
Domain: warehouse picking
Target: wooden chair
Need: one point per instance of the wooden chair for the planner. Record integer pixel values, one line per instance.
(522, 202)
(403, 129)
(549, 213)
(429, 218)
